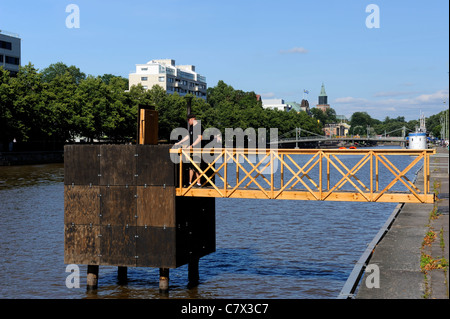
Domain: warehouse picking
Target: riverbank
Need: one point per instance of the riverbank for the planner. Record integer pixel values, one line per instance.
(31, 158)
(412, 255)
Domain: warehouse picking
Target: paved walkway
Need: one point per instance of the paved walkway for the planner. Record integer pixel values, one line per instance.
(399, 253)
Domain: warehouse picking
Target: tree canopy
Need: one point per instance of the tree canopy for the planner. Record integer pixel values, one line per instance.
(60, 103)
(362, 122)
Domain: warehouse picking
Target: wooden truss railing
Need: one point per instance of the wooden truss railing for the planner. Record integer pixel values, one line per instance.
(368, 175)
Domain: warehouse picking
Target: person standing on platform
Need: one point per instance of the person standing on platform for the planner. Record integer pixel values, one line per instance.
(195, 139)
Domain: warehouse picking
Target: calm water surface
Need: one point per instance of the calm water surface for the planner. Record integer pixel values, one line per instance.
(265, 248)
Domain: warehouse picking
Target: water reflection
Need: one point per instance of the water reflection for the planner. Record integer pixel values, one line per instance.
(30, 175)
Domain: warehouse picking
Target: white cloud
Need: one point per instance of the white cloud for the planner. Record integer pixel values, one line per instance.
(410, 108)
(435, 97)
(350, 100)
(393, 93)
(295, 50)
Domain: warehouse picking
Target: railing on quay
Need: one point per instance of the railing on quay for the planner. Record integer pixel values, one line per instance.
(346, 138)
(305, 174)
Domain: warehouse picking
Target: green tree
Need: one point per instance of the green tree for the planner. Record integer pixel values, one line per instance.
(107, 78)
(359, 122)
(9, 125)
(32, 115)
(59, 68)
(433, 123)
(59, 99)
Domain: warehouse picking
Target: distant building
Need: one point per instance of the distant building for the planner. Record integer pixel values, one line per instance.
(336, 129)
(303, 107)
(323, 100)
(173, 78)
(10, 52)
(293, 106)
(276, 104)
(342, 118)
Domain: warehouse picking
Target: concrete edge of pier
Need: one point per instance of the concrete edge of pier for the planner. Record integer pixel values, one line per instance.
(390, 268)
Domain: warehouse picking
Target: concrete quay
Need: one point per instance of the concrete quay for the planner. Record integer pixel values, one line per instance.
(399, 253)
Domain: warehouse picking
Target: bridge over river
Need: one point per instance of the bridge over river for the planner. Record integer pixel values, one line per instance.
(316, 138)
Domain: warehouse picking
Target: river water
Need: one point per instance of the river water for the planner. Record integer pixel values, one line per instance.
(264, 248)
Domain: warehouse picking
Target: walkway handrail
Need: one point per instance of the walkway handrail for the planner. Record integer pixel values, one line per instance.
(256, 175)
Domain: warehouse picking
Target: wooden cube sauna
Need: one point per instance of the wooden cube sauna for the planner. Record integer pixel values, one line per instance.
(120, 209)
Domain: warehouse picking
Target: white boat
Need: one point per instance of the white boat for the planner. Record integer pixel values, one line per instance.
(418, 139)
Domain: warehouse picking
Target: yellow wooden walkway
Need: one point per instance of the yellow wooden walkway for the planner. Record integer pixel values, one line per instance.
(366, 175)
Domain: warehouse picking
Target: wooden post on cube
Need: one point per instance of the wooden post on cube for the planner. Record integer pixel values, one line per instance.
(147, 125)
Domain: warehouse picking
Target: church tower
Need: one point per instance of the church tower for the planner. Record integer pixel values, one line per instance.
(323, 100)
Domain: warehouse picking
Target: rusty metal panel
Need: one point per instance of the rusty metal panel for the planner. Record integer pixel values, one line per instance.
(156, 247)
(118, 205)
(81, 204)
(154, 166)
(81, 244)
(118, 246)
(118, 165)
(81, 164)
(156, 206)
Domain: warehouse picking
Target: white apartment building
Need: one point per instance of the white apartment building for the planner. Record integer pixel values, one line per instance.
(173, 78)
(10, 51)
(277, 104)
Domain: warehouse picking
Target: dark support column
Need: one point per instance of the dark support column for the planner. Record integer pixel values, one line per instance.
(163, 280)
(92, 277)
(122, 274)
(193, 272)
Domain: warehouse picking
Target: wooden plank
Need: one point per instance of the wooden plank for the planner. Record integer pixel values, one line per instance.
(306, 195)
(148, 126)
(118, 245)
(156, 206)
(81, 205)
(118, 205)
(357, 197)
(154, 166)
(81, 244)
(118, 165)
(81, 164)
(155, 247)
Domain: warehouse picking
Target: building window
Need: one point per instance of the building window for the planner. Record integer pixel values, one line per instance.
(145, 87)
(144, 78)
(144, 69)
(5, 45)
(11, 60)
(161, 79)
(1, 57)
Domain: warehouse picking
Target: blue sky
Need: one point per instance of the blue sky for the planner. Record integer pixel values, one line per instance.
(274, 48)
